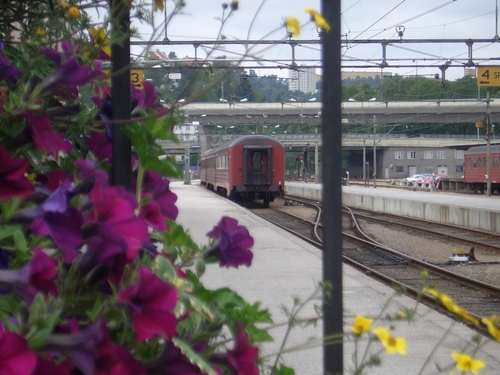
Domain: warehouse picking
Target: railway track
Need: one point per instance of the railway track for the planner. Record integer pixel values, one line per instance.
(388, 265)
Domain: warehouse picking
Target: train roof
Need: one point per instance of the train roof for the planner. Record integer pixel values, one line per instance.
(245, 139)
(494, 148)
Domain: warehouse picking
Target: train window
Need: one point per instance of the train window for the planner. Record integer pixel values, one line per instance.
(479, 163)
(484, 162)
(257, 161)
(495, 161)
(474, 163)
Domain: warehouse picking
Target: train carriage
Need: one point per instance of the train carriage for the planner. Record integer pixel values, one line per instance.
(475, 168)
(249, 168)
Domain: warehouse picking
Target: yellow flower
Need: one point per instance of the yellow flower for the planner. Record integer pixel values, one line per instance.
(451, 305)
(40, 32)
(63, 4)
(392, 344)
(318, 19)
(158, 5)
(293, 25)
(360, 325)
(101, 40)
(467, 363)
(74, 13)
(491, 323)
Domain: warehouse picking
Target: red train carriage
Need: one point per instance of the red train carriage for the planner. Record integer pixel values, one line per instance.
(475, 168)
(250, 168)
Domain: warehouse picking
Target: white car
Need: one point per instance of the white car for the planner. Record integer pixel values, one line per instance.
(416, 179)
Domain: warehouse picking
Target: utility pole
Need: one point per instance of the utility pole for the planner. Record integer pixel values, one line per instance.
(488, 144)
(374, 152)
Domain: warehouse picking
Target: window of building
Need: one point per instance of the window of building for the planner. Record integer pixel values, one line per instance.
(412, 154)
(399, 169)
(441, 154)
(459, 154)
(429, 169)
(459, 169)
(428, 155)
(399, 155)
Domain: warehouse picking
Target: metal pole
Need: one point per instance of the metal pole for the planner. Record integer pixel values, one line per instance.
(364, 162)
(121, 170)
(333, 354)
(374, 152)
(316, 157)
(488, 144)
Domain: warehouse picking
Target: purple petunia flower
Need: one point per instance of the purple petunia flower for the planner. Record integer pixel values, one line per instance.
(37, 276)
(243, 358)
(113, 207)
(13, 183)
(151, 302)
(55, 218)
(158, 187)
(147, 98)
(15, 356)
(81, 348)
(43, 272)
(234, 243)
(44, 136)
(69, 74)
(8, 72)
(173, 362)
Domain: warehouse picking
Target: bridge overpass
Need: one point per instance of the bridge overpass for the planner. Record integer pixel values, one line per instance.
(365, 112)
(350, 141)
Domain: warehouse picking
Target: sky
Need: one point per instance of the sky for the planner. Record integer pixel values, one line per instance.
(360, 20)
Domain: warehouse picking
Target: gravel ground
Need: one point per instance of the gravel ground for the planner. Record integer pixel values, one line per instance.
(434, 250)
(428, 248)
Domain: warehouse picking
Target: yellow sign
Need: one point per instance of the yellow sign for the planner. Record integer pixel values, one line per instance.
(488, 76)
(479, 124)
(136, 77)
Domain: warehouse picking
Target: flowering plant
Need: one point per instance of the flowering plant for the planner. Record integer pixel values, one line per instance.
(96, 279)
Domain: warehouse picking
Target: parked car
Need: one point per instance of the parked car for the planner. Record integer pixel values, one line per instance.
(437, 178)
(415, 180)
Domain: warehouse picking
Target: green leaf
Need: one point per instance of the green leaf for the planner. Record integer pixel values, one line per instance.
(199, 265)
(8, 231)
(161, 128)
(96, 310)
(164, 269)
(9, 208)
(283, 370)
(194, 357)
(20, 241)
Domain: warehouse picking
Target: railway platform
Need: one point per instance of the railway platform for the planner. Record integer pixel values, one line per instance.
(464, 210)
(285, 267)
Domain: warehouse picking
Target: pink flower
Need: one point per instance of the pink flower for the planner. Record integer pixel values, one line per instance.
(44, 136)
(43, 272)
(15, 356)
(114, 210)
(151, 302)
(244, 356)
(37, 276)
(13, 183)
(233, 247)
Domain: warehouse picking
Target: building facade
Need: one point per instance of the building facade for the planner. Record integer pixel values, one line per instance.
(302, 79)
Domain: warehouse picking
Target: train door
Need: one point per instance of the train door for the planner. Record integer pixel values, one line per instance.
(257, 165)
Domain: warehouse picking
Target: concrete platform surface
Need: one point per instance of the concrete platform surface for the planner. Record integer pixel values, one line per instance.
(284, 267)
